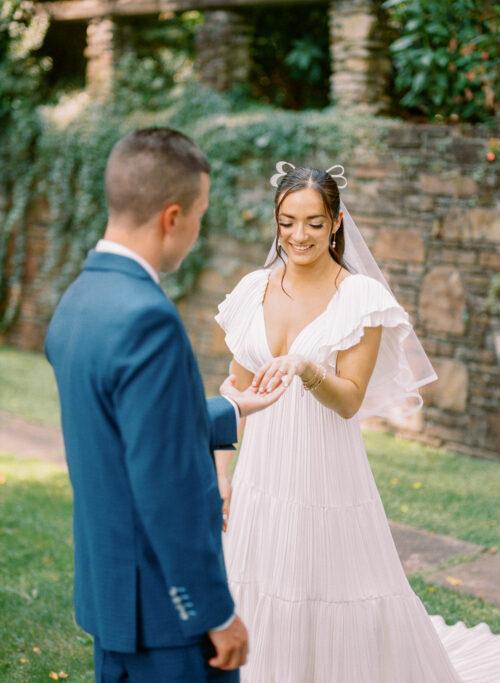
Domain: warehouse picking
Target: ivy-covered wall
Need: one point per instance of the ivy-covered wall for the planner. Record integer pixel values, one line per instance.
(422, 194)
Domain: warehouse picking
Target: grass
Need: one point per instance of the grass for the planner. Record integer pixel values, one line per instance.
(453, 606)
(425, 487)
(437, 490)
(36, 614)
(39, 635)
(27, 386)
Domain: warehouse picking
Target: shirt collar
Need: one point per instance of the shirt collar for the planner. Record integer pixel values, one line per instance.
(119, 249)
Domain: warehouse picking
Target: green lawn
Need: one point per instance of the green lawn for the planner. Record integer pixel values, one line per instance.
(27, 386)
(435, 489)
(426, 487)
(36, 569)
(36, 615)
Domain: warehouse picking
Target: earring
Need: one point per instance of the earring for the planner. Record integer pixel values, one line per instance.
(333, 241)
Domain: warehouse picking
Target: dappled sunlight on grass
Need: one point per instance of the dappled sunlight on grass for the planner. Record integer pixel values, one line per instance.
(27, 386)
(435, 489)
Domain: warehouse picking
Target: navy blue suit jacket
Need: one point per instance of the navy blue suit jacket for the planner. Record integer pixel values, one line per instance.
(139, 435)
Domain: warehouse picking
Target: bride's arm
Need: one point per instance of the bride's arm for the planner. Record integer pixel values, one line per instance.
(342, 392)
(223, 459)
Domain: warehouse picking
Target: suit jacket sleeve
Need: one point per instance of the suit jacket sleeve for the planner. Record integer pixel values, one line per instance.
(162, 418)
(223, 428)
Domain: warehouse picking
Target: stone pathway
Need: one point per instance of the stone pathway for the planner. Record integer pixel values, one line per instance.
(465, 567)
(28, 440)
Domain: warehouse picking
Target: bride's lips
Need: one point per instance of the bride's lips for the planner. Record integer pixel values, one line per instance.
(301, 249)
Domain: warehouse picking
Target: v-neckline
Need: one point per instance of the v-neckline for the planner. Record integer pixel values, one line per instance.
(320, 315)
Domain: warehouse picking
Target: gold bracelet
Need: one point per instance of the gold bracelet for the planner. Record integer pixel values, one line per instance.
(316, 381)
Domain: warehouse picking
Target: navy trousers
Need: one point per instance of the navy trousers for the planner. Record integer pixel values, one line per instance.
(159, 665)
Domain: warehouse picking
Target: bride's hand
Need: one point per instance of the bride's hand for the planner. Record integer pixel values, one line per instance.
(280, 370)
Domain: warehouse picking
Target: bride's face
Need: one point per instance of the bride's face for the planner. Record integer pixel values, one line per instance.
(305, 227)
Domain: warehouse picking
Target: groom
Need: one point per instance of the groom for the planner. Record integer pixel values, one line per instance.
(150, 582)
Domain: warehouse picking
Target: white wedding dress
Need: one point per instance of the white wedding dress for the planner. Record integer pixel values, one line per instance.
(311, 562)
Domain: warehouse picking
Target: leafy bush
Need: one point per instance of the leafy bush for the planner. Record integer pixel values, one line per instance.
(155, 55)
(290, 57)
(446, 57)
(21, 89)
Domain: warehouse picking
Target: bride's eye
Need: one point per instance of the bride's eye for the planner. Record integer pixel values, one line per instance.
(313, 225)
(286, 225)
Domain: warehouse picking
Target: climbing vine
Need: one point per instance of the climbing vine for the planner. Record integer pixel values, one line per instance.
(65, 163)
(53, 156)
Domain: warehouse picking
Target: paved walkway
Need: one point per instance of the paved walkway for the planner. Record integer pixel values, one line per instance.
(465, 567)
(28, 440)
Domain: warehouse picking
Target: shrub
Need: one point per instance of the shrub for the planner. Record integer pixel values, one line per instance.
(446, 57)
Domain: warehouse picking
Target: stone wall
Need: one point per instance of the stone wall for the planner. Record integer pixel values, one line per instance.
(425, 203)
(361, 66)
(360, 71)
(435, 231)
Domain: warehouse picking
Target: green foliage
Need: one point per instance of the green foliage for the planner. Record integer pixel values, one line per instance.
(66, 164)
(154, 56)
(291, 57)
(446, 57)
(21, 89)
(21, 74)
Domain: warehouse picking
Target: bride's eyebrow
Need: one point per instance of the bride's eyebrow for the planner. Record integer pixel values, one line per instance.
(319, 215)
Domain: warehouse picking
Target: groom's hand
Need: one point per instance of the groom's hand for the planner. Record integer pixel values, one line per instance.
(248, 400)
(231, 646)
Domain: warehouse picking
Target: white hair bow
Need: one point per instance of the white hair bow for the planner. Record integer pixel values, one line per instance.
(281, 173)
(275, 179)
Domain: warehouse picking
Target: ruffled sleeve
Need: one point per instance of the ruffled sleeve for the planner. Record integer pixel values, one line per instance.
(237, 311)
(365, 302)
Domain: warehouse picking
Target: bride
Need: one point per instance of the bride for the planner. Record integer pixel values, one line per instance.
(311, 562)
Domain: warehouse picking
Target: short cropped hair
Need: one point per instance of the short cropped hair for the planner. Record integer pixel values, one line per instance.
(152, 167)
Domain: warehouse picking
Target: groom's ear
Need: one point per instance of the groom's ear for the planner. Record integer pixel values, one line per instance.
(169, 217)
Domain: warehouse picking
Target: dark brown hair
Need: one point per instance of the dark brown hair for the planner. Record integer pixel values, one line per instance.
(301, 178)
(151, 167)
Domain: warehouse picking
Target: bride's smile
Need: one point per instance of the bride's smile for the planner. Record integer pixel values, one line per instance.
(305, 230)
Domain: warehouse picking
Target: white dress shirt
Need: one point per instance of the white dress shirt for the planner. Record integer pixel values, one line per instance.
(115, 248)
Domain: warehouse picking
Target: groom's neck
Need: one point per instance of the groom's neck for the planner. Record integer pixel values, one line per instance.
(141, 240)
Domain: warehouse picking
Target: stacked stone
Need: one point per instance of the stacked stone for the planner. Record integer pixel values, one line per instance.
(361, 67)
(425, 202)
(223, 49)
(436, 232)
(100, 56)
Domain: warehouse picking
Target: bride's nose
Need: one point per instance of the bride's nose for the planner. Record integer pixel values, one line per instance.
(299, 233)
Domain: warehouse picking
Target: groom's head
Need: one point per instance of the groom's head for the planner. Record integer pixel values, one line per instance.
(157, 182)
